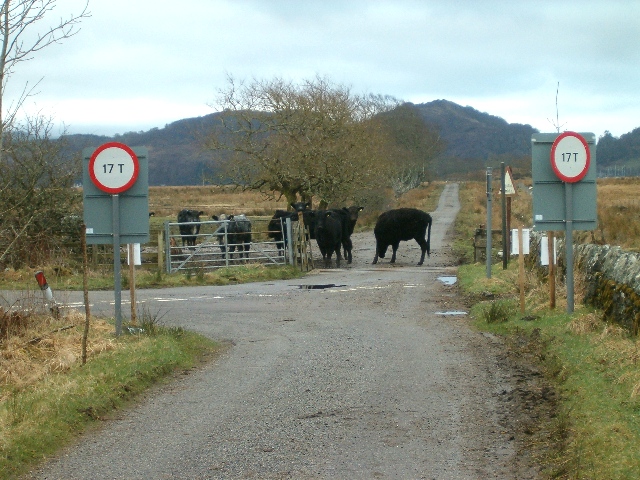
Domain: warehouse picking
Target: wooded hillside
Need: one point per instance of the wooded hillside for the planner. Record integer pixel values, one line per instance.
(474, 140)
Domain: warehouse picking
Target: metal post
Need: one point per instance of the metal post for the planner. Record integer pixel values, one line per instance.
(568, 243)
(551, 248)
(288, 245)
(226, 243)
(132, 280)
(489, 234)
(503, 197)
(167, 247)
(117, 280)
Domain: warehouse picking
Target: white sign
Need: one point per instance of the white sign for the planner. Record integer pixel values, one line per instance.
(544, 250)
(515, 244)
(509, 189)
(114, 167)
(570, 157)
(137, 259)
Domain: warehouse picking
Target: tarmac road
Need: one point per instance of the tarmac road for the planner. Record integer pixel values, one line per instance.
(369, 379)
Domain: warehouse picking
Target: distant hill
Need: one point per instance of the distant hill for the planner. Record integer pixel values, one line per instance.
(619, 152)
(471, 134)
(474, 140)
(175, 153)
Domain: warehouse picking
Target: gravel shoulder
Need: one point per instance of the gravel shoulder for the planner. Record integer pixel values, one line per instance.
(368, 379)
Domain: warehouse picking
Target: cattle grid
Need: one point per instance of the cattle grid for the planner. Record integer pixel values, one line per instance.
(207, 254)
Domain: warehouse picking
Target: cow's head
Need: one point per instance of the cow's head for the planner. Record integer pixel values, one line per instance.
(300, 206)
(353, 212)
(324, 218)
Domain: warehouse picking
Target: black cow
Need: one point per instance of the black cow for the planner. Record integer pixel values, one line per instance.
(309, 219)
(402, 224)
(189, 231)
(353, 212)
(275, 227)
(348, 217)
(352, 218)
(329, 229)
(238, 229)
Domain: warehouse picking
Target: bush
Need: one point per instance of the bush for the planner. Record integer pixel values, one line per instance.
(39, 208)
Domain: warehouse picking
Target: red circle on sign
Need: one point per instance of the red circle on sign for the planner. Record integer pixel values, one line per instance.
(122, 180)
(565, 146)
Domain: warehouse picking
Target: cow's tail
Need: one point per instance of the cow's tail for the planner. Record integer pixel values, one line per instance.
(429, 237)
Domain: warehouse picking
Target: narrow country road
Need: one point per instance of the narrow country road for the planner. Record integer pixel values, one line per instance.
(372, 378)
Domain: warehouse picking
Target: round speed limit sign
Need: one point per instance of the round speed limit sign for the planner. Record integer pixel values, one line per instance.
(570, 157)
(114, 167)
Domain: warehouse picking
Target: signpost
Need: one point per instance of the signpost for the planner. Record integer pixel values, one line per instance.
(564, 188)
(507, 191)
(489, 221)
(116, 203)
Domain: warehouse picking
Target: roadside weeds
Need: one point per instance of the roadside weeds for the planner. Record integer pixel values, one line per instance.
(577, 378)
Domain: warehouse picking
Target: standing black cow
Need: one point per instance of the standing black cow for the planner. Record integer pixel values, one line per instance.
(352, 218)
(238, 229)
(190, 229)
(402, 224)
(348, 217)
(275, 228)
(329, 230)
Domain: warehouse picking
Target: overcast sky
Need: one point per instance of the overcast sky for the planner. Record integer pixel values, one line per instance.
(140, 64)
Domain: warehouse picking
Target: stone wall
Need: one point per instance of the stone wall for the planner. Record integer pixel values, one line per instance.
(612, 276)
(613, 282)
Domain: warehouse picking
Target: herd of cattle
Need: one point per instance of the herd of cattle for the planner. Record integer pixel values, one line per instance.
(331, 229)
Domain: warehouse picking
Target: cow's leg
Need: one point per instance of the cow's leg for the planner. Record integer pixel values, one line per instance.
(338, 257)
(348, 246)
(423, 245)
(375, 259)
(394, 246)
(327, 260)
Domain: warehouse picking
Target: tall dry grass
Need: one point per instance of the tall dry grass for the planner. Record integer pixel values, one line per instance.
(213, 200)
(166, 202)
(36, 344)
(618, 211)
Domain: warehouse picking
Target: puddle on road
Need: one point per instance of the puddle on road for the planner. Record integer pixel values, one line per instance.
(448, 280)
(320, 287)
(453, 312)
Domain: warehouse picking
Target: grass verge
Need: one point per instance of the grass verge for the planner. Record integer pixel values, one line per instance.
(38, 418)
(594, 429)
(24, 279)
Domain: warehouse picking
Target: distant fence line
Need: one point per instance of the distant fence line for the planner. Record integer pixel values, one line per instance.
(618, 171)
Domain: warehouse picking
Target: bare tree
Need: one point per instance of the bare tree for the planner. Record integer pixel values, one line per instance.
(313, 139)
(415, 146)
(35, 177)
(39, 209)
(24, 33)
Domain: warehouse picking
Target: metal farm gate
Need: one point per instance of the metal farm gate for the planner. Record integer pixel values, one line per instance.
(207, 254)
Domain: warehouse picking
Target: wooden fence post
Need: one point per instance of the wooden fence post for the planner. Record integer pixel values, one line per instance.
(160, 251)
